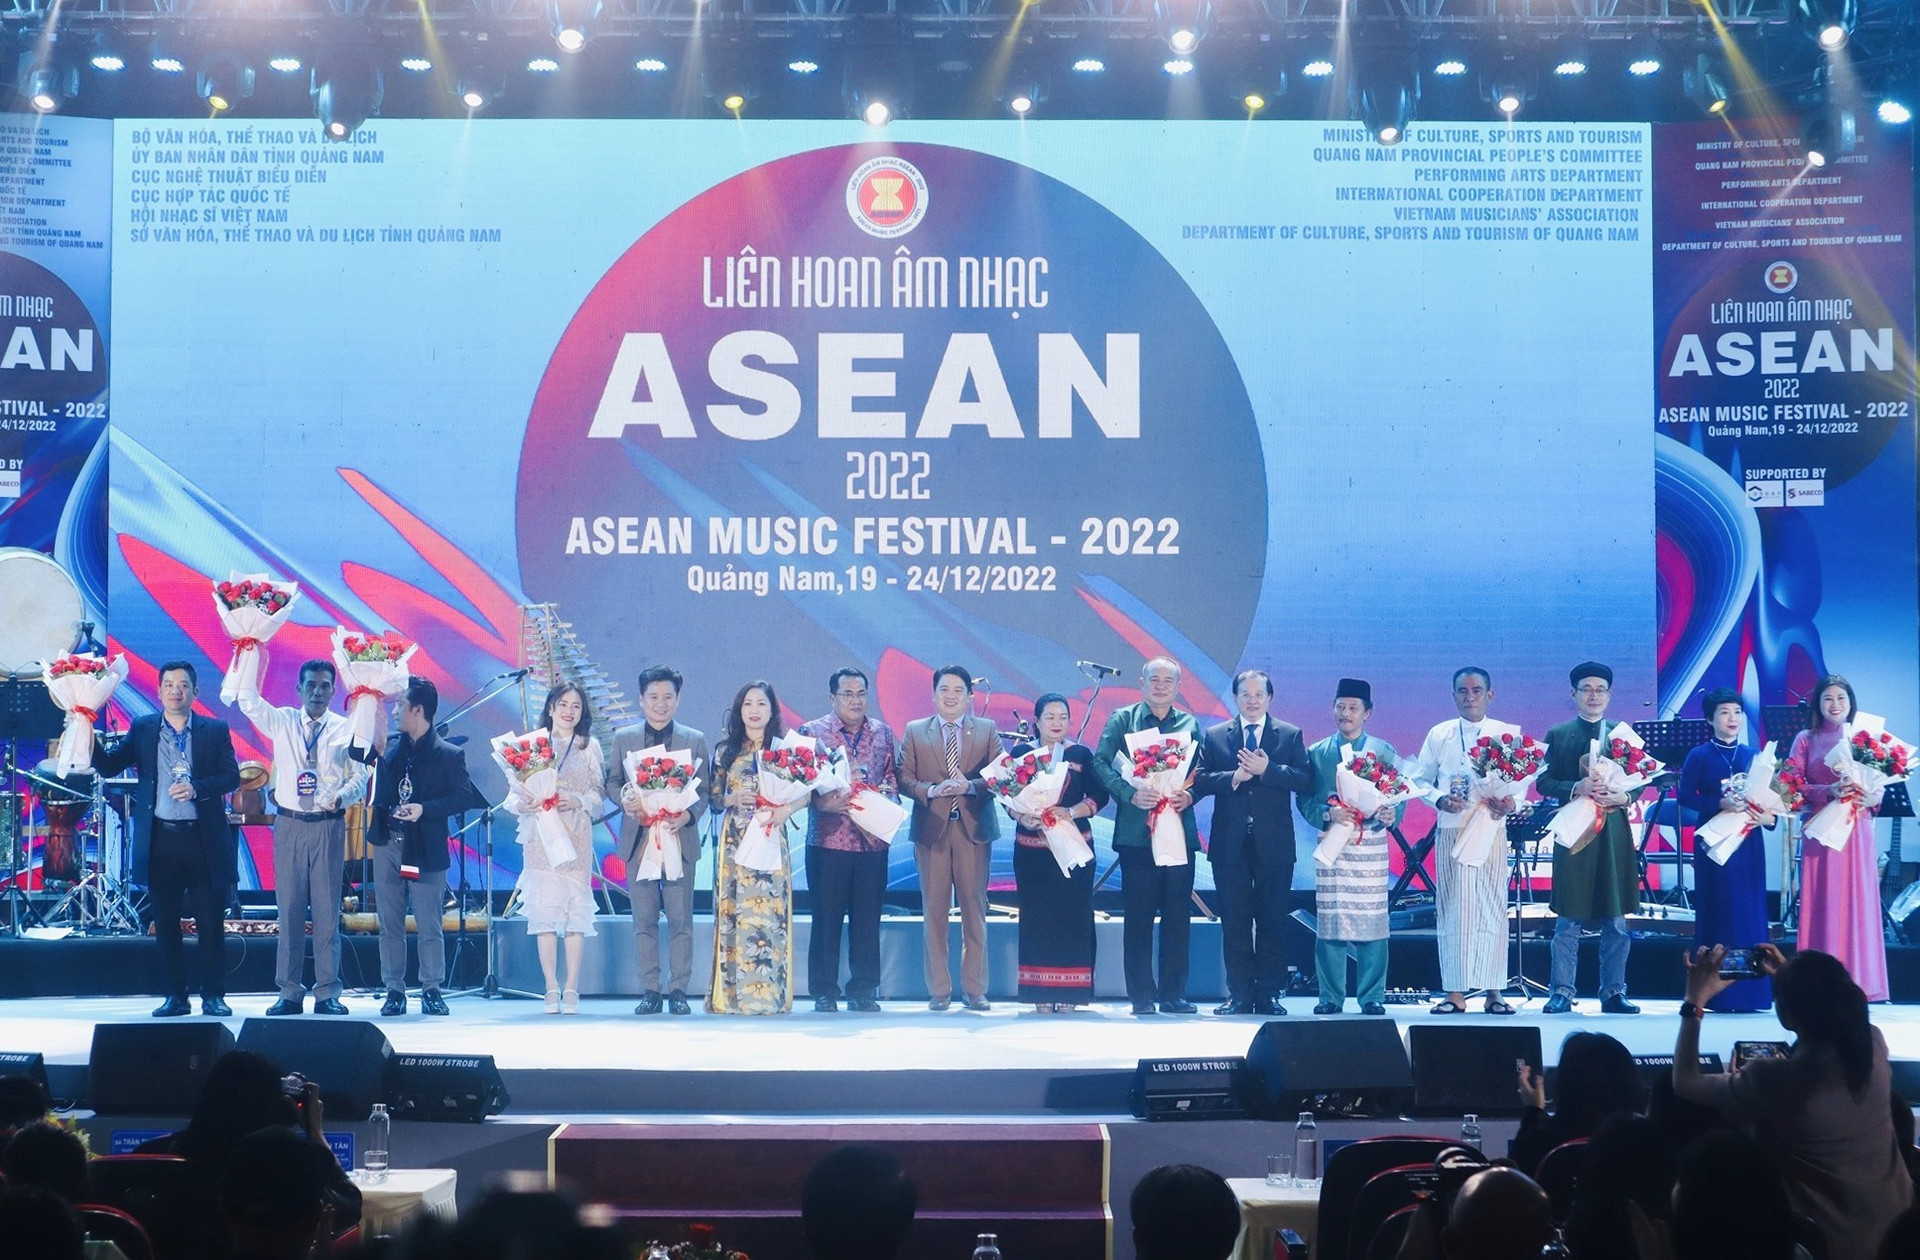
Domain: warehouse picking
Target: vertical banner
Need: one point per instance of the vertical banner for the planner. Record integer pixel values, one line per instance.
(55, 218)
(1784, 316)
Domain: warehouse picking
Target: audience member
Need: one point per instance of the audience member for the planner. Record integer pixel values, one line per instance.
(1902, 1112)
(1825, 1111)
(1624, 1189)
(1728, 1203)
(857, 1204)
(1903, 1238)
(276, 1200)
(1183, 1212)
(1595, 1079)
(517, 1224)
(1683, 1122)
(243, 1094)
(1500, 1214)
(50, 1156)
(39, 1225)
(22, 1101)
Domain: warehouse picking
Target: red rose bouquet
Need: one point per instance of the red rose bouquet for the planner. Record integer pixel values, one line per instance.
(373, 668)
(533, 789)
(788, 771)
(665, 783)
(1761, 801)
(81, 685)
(1157, 760)
(252, 608)
(1866, 761)
(1619, 763)
(1366, 784)
(1030, 785)
(1502, 764)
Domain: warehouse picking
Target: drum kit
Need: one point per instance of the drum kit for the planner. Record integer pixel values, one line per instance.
(83, 850)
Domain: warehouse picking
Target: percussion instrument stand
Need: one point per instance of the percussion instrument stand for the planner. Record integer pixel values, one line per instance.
(26, 712)
(20, 911)
(96, 899)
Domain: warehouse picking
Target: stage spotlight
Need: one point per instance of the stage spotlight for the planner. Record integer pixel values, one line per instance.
(107, 63)
(877, 113)
(1450, 67)
(803, 65)
(542, 65)
(727, 78)
(1023, 93)
(285, 64)
(1829, 23)
(1568, 67)
(1894, 113)
(1318, 68)
(1183, 23)
(108, 55)
(877, 82)
(1827, 134)
(1705, 82)
(479, 85)
(1508, 91)
(347, 90)
(1384, 94)
(1643, 59)
(416, 65)
(572, 22)
(1089, 65)
(1254, 102)
(45, 82)
(166, 54)
(1177, 66)
(650, 65)
(223, 81)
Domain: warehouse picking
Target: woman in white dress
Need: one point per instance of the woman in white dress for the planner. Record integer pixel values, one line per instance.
(557, 897)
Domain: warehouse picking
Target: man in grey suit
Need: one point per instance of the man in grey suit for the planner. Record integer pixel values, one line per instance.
(953, 829)
(660, 700)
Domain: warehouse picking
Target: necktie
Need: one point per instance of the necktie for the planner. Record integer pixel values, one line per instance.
(953, 750)
(1253, 738)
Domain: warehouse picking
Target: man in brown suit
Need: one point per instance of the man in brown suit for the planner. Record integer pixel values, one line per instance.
(954, 827)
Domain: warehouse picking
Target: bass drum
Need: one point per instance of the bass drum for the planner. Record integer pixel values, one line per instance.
(40, 610)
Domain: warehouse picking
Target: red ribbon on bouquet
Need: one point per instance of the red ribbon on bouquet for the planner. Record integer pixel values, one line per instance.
(357, 692)
(246, 643)
(552, 802)
(86, 713)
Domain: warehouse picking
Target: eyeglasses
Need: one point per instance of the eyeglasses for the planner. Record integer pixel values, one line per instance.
(850, 695)
(1594, 691)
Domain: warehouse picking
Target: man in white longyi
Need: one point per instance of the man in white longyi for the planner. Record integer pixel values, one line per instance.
(1471, 901)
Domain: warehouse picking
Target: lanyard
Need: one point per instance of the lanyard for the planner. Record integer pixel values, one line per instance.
(181, 739)
(311, 739)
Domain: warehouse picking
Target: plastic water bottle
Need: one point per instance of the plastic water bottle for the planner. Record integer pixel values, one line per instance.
(1470, 1131)
(988, 1247)
(1306, 1150)
(379, 1142)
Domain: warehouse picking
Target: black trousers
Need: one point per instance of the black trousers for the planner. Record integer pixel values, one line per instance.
(1147, 890)
(179, 881)
(1252, 895)
(845, 886)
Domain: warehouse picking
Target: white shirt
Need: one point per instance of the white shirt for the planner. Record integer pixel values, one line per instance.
(341, 779)
(1242, 726)
(1443, 754)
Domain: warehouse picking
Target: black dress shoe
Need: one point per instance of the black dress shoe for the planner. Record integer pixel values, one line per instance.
(1268, 1006)
(218, 1008)
(649, 1004)
(865, 1005)
(1234, 1006)
(1373, 1008)
(677, 1004)
(826, 1005)
(1179, 1006)
(1617, 1004)
(396, 1003)
(288, 1006)
(431, 1003)
(939, 1004)
(1326, 1008)
(1558, 1004)
(1145, 1008)
(976, 1002)
(171, 1007)
(329, 1006)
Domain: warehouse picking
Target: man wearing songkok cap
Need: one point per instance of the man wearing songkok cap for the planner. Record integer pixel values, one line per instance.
(1596, 884)
(1350, 896)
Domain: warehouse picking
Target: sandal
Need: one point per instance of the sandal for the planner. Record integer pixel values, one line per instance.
(553, 1002)
(1448, 1006)
(570, 1002)
(1496, 1006)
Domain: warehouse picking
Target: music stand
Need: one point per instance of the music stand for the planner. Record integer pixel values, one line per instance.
(1781, 722)
(27, 711)
(1668, 742)
(1525, 827)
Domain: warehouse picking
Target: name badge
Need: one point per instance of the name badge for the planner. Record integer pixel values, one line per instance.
(307, 784)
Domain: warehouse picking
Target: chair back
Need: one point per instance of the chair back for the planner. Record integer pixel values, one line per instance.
(174, 1199)
(1350, 1168)
(110, 1224)
(1391, 1234)
(1559, 1172)
(1384, 1194)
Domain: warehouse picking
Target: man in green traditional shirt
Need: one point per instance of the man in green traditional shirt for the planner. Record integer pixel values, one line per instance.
(1148, 889)
(1598, 885)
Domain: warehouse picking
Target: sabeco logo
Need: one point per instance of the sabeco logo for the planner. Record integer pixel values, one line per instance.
(887, 197)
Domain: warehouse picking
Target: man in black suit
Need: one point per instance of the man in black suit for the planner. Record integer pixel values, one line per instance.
(1251, 766)
(183, 849)
(420, 781)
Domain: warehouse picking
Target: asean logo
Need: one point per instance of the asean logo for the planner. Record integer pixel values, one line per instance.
(887, 197)
(1782, 276)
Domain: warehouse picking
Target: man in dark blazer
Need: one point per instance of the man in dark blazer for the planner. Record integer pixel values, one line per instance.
(183, 849)
(1252, 766)
(954, 826)
(419, 782)
(660, 700)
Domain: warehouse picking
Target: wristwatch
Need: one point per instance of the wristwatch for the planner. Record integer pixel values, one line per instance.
(1689, 1011)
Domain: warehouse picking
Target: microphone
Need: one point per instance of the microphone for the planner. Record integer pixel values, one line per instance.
(979, 682)
(1099, 670)
(515, 674)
